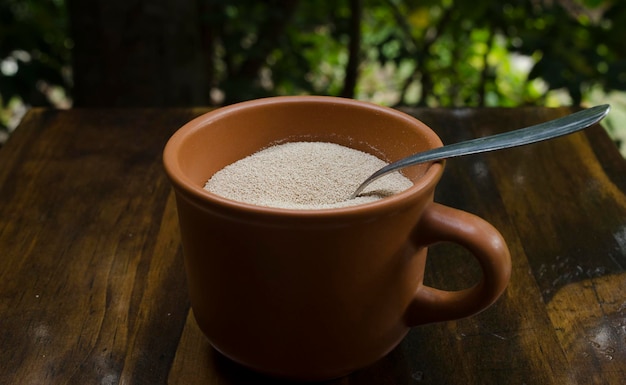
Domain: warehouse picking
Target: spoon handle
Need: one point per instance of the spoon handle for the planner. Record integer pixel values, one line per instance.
(533, 134)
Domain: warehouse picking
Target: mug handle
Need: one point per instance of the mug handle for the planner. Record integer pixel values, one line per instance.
(440, 223)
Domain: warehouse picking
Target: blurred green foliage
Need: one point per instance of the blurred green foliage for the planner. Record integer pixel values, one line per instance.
(502, 53)
(412, 52)
(34, 49)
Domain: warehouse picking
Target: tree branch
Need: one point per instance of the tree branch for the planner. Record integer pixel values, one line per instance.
(484, 74)
(354, 49)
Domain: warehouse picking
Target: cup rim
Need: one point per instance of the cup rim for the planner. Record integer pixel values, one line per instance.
(198, 194)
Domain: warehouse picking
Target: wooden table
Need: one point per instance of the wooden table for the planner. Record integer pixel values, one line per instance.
(92, 287)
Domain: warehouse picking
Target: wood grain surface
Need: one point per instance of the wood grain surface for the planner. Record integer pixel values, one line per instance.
(93, 291)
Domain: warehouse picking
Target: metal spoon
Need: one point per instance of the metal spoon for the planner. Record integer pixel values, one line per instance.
(542, 131)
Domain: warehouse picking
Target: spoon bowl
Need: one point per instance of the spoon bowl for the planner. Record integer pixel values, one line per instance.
(523, 136)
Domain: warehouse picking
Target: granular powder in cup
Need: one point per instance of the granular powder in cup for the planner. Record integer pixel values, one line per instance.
(305, 175)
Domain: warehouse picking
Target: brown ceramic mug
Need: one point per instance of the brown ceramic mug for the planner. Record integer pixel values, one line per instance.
(316, 294)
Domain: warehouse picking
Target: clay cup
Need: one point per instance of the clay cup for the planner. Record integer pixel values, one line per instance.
(317, 294)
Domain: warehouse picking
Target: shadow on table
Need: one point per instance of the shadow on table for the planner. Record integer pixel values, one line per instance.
(391, 369)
